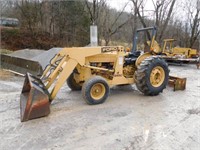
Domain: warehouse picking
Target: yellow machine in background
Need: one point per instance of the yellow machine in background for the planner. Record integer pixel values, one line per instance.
(173, 54)
(170, 50)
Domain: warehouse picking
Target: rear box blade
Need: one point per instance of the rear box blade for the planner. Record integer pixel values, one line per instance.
(177, 83)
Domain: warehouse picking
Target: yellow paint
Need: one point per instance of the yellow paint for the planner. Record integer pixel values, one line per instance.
(97, 91)
(157, 76)
(88, 62)
(142, 57)
(169, 50)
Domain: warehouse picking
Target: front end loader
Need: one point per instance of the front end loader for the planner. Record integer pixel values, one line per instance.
(93, 70)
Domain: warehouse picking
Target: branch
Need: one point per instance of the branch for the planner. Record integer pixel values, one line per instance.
(140, 17)
(167, 19)
(90, 12)
(120, 26)
(116, 19)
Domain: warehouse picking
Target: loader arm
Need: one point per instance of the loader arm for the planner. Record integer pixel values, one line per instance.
(62, 68)
(37, 93)
(68, 68)
(63, 65)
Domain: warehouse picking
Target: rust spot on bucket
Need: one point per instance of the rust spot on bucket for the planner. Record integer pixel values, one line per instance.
(34, 99)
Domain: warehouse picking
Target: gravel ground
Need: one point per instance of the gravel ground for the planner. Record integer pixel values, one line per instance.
(126, 121)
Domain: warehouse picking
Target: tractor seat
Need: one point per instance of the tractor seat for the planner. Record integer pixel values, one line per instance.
(132, 57)
(135, 54)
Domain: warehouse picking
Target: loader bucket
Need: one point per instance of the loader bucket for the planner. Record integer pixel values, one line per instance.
(34, 99)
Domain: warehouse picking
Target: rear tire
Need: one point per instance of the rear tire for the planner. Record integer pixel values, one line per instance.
(72, 84)
(152, 76)
(95, 90)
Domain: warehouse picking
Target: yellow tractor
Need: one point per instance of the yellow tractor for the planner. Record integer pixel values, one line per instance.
(170, 50)
(93, 70)
(180, 55)
(172, 54)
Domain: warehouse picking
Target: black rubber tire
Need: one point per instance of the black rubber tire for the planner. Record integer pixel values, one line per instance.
(87, 86)
(142, 76)
(71, 82)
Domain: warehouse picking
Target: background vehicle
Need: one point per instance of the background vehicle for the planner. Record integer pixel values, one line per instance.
(168, 52)
(9, 22)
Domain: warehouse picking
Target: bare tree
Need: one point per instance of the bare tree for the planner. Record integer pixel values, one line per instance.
(94, 9)
(3, 6)
(138, 4)
(30, 15)
(194, 21)
(163, 11)
(108, 22)
(111, 24)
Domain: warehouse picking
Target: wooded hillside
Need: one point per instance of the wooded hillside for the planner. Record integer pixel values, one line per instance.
(44, 24)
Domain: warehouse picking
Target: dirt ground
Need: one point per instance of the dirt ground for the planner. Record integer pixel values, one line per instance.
(126, 121)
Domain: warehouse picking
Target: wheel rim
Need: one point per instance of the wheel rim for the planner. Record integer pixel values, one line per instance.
(98, 90)
(157, 76)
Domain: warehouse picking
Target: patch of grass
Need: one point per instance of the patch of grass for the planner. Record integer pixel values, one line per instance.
(5, 51)
(4, 74)
(12, 31)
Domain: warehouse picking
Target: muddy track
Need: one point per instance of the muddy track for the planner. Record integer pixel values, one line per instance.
(128, 120)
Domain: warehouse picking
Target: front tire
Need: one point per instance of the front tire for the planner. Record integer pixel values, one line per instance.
(72, 84)
(152, 76)
(95, 90)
